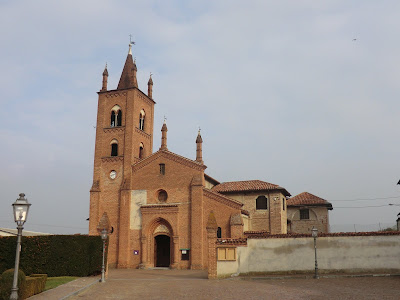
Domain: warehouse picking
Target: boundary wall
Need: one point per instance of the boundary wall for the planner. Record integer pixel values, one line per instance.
(290, 254)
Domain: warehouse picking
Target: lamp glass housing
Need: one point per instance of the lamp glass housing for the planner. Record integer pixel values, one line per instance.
(21, 208)
(103, 234)
(314, 232)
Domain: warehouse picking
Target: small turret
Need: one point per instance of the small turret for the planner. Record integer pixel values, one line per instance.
(150, 87)
(199, 150)
(164, 130)
(105, 78)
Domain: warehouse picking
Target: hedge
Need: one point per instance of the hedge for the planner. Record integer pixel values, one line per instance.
(34, 284)
(27, 285)
(54, 255)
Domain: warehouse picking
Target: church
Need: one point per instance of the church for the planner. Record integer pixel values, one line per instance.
(158, 203)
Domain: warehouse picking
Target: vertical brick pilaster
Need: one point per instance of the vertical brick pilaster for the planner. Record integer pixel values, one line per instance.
(124, 250)
(176, 252)
(236, 226)
(143, 254)
(197, 229)
(94, 212)
(212, 251)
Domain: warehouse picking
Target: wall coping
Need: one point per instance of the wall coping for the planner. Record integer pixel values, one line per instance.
(236, 242)
(264, 235)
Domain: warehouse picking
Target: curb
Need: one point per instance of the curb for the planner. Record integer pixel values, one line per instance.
(80, 290)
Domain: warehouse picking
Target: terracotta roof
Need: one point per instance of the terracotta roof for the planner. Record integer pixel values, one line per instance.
(247, 186)
(245, 212)
(210, 179)
(221, 196)
(306, 198)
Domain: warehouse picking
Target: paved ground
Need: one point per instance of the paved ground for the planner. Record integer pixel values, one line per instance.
(187, 284)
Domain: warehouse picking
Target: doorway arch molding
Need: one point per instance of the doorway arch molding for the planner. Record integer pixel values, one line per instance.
(159, 226)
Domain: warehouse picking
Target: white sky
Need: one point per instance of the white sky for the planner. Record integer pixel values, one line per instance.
(280, 89)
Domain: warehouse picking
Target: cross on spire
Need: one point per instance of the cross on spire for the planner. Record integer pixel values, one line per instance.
(130, 40)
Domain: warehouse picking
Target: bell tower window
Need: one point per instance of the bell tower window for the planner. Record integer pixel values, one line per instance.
(141, 119)
(114, 148)
(141, 150)
(119, 118)
(116, 116)
(112, 119)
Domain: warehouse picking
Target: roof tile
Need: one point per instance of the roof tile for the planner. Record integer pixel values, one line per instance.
(248, 185)
(306, 198)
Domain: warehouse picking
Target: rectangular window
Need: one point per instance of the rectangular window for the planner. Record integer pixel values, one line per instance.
(226, 253)
(304, 214)
(185, 254)
(283, 203)
(162, 169)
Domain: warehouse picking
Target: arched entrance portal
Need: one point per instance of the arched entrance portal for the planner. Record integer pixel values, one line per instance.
(162, 247)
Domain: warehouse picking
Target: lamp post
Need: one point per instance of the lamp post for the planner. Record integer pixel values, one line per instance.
(103, 234)
(20, 208)
(314, 233)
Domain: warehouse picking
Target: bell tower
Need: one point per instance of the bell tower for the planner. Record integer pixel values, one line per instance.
(124, 135)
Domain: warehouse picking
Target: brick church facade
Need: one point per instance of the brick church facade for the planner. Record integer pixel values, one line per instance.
(158, 203)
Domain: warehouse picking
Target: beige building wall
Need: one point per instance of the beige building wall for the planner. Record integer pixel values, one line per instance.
(273, 219)
(379, 253)
(319, 218)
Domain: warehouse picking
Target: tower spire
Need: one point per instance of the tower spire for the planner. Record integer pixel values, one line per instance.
(164, 130)
(128, 76)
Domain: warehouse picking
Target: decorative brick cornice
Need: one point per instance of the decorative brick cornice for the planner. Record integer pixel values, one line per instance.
(114, 129)
(145, 98)
(221, 198)
(171, 156)
(141, 132)
(159, 209)
(112, 158)
(112, 94)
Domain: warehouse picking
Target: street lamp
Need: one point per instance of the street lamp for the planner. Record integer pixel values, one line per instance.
(103, 234)
(314, 233)
(20, 208)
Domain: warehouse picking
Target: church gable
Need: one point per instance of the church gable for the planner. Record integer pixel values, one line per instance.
(165, 174)
(170, 156)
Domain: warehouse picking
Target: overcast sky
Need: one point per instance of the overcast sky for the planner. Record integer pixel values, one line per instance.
(304, 94)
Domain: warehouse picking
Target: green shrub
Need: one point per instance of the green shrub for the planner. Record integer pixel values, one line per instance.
(7, 281)
(54, 255)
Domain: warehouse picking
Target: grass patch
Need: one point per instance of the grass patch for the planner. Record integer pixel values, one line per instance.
(53, 282)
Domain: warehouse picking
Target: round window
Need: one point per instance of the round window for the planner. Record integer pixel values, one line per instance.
(162, 196)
